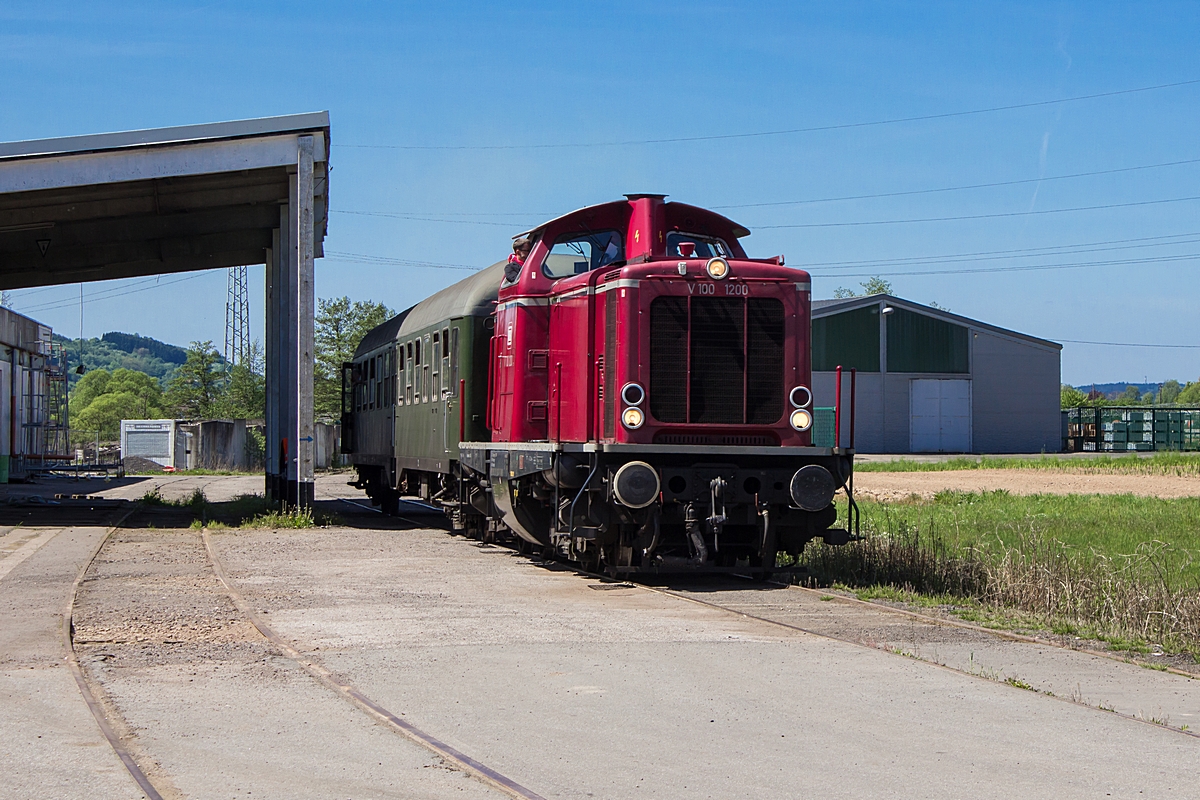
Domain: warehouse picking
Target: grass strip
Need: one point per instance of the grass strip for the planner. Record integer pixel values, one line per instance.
(1185, 465)
(1121, 569)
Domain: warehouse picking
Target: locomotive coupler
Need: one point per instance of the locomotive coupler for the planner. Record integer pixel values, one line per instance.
(716, 521)
(695, 535)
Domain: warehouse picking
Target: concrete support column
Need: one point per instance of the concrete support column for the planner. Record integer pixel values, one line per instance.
(305, 300)
(289, 340)
(271, 371)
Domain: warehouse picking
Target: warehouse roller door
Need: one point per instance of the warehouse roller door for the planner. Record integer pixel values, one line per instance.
(941, 416)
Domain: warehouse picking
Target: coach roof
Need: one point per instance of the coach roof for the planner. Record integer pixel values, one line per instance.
(470, 297)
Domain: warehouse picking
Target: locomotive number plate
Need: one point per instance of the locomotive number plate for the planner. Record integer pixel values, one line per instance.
(725, 289)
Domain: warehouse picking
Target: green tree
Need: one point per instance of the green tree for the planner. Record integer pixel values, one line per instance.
(102, 399)
(1190, 396)
(1072, 397)
(198, 385)
(245, 392)
(1169, 392)
(340, 326)
(876, 285)
(1129, 396)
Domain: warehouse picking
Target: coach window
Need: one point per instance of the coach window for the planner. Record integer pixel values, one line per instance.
(418, 383)
(410, 375)
(577, 253)
(701, 246)
(400, 374)
(389, 389)
(454, 361)
(427, 383)
(377, 368)
(370, 383)
(435, 361)
(447, 383)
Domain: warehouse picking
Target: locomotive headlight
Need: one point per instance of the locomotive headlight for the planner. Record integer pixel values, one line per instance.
(633, 394)
(632, 418)
(801, 419)
(717, 269)
(801, 397)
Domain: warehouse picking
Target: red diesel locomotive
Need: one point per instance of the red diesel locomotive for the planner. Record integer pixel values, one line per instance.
(635, 398)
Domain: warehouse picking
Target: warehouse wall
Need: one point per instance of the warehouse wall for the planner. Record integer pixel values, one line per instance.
(1015, 396)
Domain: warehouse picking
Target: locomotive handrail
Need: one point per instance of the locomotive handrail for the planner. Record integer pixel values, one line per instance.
(488, 416)
(837, 409)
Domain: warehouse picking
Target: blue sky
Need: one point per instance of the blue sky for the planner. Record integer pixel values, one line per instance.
(399, 79)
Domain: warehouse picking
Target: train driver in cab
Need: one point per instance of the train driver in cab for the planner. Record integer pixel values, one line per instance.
(516, 261)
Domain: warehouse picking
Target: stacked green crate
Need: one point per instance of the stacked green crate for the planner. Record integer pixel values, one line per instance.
(822, 430)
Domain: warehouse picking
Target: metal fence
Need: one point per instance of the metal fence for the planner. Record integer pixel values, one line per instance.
(1130, 429)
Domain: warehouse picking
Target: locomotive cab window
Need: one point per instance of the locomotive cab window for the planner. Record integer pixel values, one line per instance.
(577, 253)
(700, 246)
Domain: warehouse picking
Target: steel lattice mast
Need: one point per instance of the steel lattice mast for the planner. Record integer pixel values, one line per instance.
(237, 317)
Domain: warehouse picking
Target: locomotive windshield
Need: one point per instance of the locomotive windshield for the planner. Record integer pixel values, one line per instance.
(702, 246)
(577, 253)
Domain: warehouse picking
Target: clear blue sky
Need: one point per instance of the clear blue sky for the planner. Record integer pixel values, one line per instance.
(475, 75)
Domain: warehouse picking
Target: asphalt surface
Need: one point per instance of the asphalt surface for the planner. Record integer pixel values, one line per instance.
(570, 686)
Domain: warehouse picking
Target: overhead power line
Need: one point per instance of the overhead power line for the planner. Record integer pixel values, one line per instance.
(965, 217)
(784, 131)
(1016, 267)
(1166, 240)
(362, 258)
(106, 294)
(964, 187)
(1132, 344)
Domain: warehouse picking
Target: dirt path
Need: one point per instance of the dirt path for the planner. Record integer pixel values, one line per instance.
(898, 485)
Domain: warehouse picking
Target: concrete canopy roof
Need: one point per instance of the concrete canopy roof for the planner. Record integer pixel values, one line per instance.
(825, 308)
(118, 205)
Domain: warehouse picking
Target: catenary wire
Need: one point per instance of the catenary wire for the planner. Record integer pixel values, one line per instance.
(966, 217)
(964, 187)
(1024, 252)
(1019, 267)
(786, 131)
(810, 201)
(1131, 344)
(108, 294)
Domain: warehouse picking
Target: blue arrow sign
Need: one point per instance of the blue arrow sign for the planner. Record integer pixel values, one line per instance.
(307, 439)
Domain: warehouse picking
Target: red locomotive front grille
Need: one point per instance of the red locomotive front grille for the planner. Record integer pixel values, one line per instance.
(716, 360)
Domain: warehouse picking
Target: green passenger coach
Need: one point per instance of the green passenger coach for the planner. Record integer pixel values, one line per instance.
(416, 388)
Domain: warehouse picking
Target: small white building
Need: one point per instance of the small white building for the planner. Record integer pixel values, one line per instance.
(929, 381)
(163, 441)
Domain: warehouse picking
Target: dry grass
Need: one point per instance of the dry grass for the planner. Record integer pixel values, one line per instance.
(1131, 599)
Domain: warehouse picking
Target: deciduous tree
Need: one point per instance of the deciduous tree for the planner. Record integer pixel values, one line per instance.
(341, 325)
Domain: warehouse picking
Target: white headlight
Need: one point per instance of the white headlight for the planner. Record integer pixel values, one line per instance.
(632, 418)
(717, 269)
(801, 420)
(633, 394)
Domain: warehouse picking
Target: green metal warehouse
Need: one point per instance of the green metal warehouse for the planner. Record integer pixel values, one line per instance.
(930, 381)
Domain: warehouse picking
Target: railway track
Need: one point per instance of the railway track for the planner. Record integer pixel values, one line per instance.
(133, 761)
(346, 691)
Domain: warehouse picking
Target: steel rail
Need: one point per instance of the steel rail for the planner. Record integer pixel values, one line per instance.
(350, 693)
(68, 632)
